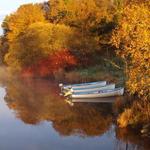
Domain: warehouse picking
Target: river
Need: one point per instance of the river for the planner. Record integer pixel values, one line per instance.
(34, 117)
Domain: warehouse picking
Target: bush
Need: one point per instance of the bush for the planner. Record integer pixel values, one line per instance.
(137, 114)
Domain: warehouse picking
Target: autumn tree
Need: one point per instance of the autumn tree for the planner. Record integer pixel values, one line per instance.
(3, 48)
(18, 22)
(91, 19)
(132, 38)
(38, 42)
(81, 14)
(0, 51)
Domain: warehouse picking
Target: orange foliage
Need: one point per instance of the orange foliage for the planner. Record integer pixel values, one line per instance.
(50, 65)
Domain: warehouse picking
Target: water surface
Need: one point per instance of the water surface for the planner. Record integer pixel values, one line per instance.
(34, 117)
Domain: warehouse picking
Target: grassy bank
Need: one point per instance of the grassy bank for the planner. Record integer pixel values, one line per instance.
(111, 71)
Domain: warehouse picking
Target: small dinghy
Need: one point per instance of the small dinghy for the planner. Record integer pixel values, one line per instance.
(83, 85)
(85, 90)
(101, 93)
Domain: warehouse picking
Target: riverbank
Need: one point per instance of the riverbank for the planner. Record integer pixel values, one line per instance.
(111, 70)
(90, 74)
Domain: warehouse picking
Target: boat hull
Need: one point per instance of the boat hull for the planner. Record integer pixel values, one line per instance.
(94, 89)
(89, 90)
(105, 93)
(84, 85)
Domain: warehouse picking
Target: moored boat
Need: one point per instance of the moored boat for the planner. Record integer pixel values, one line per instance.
(101, 93)
(83, 85)
(86, 90)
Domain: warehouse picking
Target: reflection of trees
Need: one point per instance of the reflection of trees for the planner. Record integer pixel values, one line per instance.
(86, 120)
(131, 140)
(36, 101)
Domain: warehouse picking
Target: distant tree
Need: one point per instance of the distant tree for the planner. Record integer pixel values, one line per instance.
(0, 51)
(3, 48)
(86, 17)
(17, 22)
(81, 14)
(38, 42)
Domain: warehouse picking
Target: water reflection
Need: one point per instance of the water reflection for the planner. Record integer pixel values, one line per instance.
(37, 101)
(131, 140)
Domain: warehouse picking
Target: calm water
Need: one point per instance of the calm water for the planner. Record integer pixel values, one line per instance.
(34, 117)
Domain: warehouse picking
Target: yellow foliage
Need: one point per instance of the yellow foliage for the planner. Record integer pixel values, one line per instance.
(132, 38)
(137, 114)
(81, 14)
(124, 118)
(39, 40)
(18, 21)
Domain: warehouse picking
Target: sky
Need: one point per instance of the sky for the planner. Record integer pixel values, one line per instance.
(9, 6)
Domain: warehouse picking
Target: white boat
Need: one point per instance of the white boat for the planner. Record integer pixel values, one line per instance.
(101, 93)
(83, 85)
(94, 89)
(85, 90)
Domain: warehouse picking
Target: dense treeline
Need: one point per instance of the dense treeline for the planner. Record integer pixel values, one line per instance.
(42, 39)
(78, 27)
